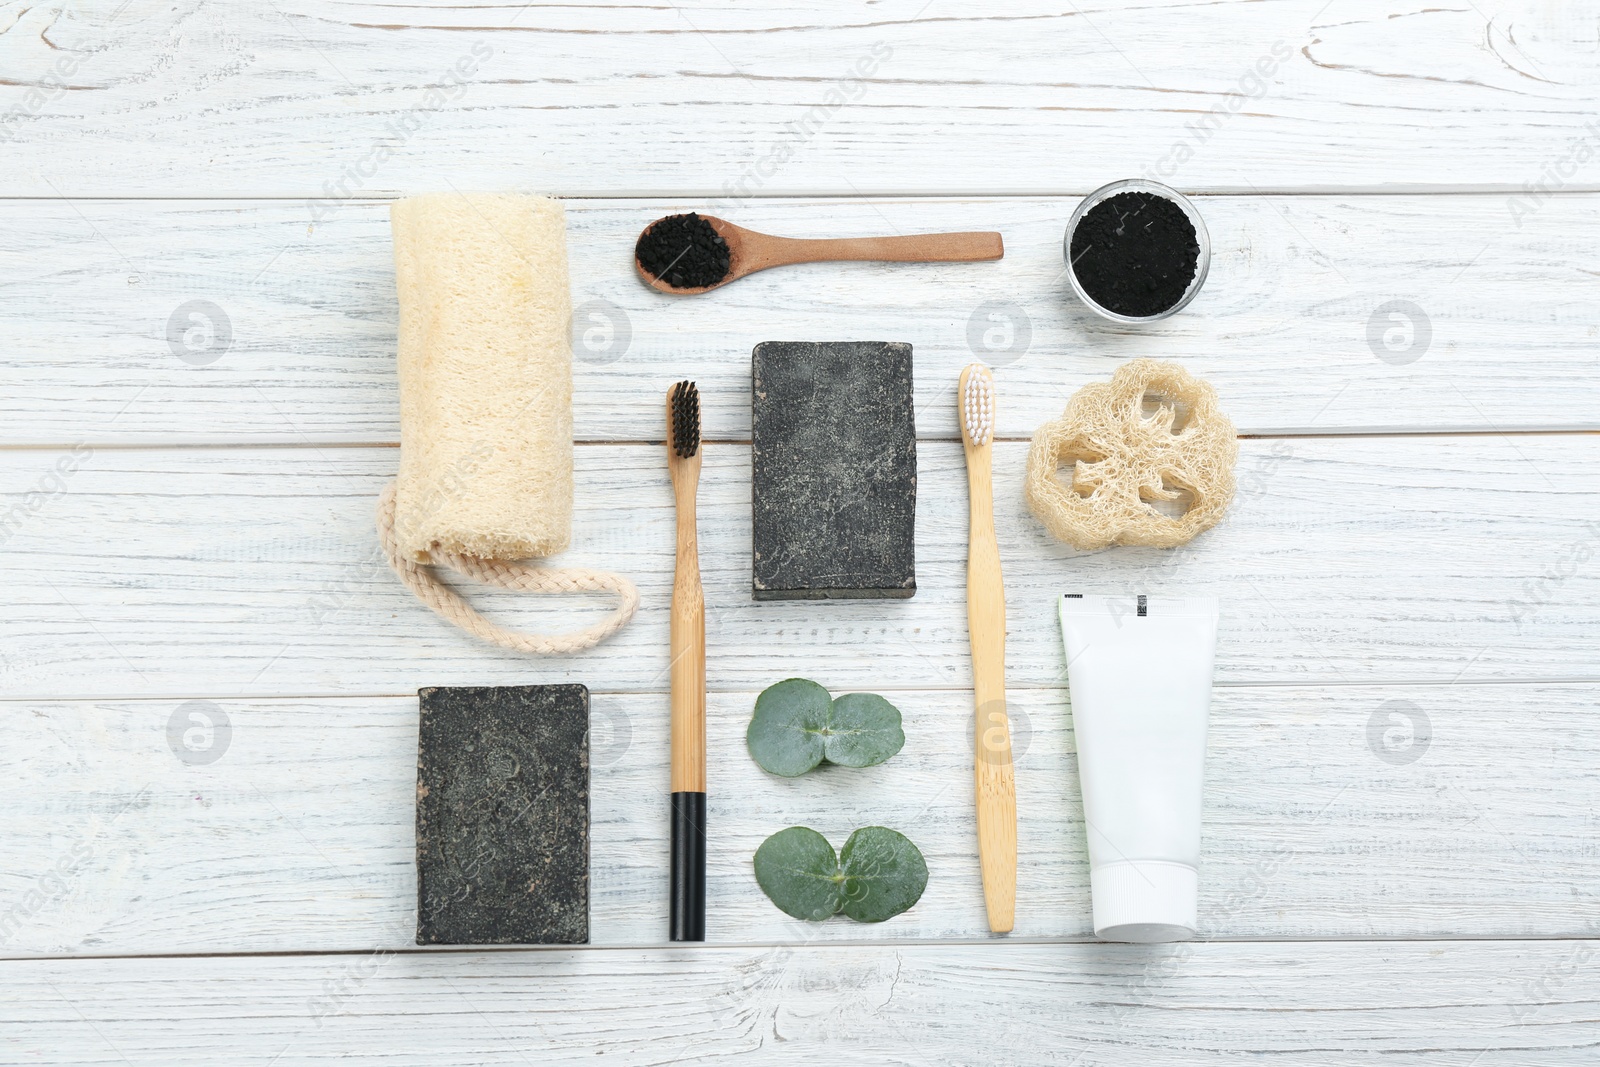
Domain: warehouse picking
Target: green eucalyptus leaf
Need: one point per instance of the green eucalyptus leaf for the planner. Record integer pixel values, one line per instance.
(876, 876)
(797, 870)
(796, 726)
(785, 734)
(863, 730)
(884, 874)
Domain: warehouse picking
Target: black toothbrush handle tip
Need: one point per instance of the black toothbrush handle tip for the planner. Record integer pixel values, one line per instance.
(688, 920)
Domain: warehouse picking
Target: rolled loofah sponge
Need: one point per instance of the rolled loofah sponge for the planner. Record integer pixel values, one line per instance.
(485, 376)
(1152, 435)
(486, 411)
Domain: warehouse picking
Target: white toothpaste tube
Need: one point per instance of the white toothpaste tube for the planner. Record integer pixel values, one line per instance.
(1139, 672)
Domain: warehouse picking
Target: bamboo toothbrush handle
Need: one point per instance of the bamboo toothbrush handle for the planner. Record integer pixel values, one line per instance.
(986, 623)
(687, 906)
(688, 645)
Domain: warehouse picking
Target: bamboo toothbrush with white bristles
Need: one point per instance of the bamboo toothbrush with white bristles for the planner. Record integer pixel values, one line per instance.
(986, 626)
(688, 667)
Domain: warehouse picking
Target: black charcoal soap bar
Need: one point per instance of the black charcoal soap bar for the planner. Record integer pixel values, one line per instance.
(834, 466)
(503, 815)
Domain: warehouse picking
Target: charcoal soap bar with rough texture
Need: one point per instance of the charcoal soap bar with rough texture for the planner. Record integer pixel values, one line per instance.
(834, 466)
(503, 815)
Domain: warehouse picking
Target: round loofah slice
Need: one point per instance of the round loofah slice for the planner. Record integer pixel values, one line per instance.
(1144, 459)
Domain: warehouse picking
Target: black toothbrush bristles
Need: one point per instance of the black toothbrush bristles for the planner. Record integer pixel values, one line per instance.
(685, 419)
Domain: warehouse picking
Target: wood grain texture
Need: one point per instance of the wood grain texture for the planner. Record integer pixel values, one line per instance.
(766, 251)
(1507, 339)
(255, 572)
(205, 665)
(1486, 1004)
(306, 100)
(1330, 812)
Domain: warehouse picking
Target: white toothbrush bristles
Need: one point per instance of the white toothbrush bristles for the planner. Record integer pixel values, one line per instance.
(977, 405)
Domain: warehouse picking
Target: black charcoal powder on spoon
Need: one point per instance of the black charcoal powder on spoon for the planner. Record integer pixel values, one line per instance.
(1135, 253)
(684, 251)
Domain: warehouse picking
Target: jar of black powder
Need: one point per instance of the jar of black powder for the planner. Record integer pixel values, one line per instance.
(1136, 251)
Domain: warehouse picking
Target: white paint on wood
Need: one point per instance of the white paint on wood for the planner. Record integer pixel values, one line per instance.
(306, 100)
(255, 572)
(1411, 1004)
(1502, 331)
(249, 577)
(1336, 812)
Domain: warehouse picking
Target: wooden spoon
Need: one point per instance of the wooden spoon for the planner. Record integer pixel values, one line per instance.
(749, 251)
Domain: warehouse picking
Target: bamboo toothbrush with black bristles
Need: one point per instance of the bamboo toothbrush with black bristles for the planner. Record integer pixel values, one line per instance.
(986, 626)
(688, 685)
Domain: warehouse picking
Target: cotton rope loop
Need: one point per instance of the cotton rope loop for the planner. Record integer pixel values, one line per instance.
(517, 576)
(1153, 435)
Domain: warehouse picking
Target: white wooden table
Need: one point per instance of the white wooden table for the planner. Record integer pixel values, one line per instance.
(1402, 822)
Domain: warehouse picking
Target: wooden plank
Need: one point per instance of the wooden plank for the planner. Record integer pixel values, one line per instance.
(1291, 327)
(303, 100)
(1487, 1004)
(255, 572)
(134, 827)
(159, 584)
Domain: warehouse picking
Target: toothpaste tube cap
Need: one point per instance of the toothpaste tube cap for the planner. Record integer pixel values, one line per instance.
(1144, 901)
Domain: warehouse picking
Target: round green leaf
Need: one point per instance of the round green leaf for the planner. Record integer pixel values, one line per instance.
(863, 730)
(797, 870)
(884, 874)
(785, 734)
(796, 726)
